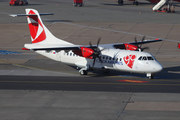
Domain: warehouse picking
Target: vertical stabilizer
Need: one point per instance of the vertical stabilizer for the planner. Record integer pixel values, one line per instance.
(38, 31)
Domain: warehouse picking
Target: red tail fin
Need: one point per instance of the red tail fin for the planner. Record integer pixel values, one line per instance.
(35, 26)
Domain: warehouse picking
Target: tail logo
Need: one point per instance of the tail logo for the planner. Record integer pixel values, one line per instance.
(36, 28)
(129, 60)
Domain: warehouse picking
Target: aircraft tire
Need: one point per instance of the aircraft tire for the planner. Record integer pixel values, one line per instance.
(151, 77)
(83, 72)
(120, 2)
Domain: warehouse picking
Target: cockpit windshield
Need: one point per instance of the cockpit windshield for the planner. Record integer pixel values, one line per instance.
(142, 58)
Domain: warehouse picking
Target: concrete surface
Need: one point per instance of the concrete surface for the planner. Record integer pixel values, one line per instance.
(68, 105)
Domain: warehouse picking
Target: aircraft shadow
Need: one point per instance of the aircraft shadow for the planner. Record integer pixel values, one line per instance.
(166, 73)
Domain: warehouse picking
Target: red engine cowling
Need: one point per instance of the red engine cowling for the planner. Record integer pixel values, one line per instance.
(84, 52)
(178, 45)
(130, 47)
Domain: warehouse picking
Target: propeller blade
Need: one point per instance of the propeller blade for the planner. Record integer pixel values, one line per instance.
(100, 59)
(143, 38)
(94, 61)
(145, 48)
(135, 39)
(142, 41)
(98, 41)
(102, 49)
(97, 52)
(90, 44)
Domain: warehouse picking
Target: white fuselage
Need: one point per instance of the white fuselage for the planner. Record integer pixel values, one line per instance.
(116, 59)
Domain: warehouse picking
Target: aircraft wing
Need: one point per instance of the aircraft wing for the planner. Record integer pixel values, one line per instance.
(145, 42)
(121, 45)
(36, 47)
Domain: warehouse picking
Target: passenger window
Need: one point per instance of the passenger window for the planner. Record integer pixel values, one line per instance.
(116, 59)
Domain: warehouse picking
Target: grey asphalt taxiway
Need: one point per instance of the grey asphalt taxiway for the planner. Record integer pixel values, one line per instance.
(33, 87)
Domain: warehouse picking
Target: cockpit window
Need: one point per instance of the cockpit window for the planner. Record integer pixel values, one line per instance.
(150, 58)
(140, 58)
(145, 58)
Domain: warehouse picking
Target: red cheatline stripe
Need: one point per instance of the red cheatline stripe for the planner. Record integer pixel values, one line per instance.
(133, 81)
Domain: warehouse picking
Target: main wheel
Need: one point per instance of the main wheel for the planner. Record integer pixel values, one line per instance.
(120, 2)
(84, 72)
(135, 3)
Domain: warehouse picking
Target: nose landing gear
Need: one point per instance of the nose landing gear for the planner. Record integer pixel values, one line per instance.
(150, 76)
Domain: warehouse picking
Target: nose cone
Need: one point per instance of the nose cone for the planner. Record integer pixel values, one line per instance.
(157, 67)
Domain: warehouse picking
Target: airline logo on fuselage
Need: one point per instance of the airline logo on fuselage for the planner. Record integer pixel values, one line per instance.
(129, 60)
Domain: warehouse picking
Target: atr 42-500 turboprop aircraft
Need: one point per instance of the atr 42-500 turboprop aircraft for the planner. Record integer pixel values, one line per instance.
(119, 56)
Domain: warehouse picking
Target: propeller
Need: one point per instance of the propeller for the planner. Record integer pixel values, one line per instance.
(140, 46)
(97, 52)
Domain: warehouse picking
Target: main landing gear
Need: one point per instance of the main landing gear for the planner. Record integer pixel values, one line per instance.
(83, 71)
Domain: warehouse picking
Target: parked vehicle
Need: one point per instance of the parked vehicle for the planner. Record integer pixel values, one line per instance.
(18, 2)
(78, 3)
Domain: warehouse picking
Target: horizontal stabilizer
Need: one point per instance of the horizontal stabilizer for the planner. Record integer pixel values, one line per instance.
(19, 15)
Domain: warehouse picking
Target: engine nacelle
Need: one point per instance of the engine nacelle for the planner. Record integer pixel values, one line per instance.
(84, 52)
(178, 45)
(130, 47)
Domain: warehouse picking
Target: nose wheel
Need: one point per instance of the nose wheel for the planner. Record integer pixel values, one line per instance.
(150, 76)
